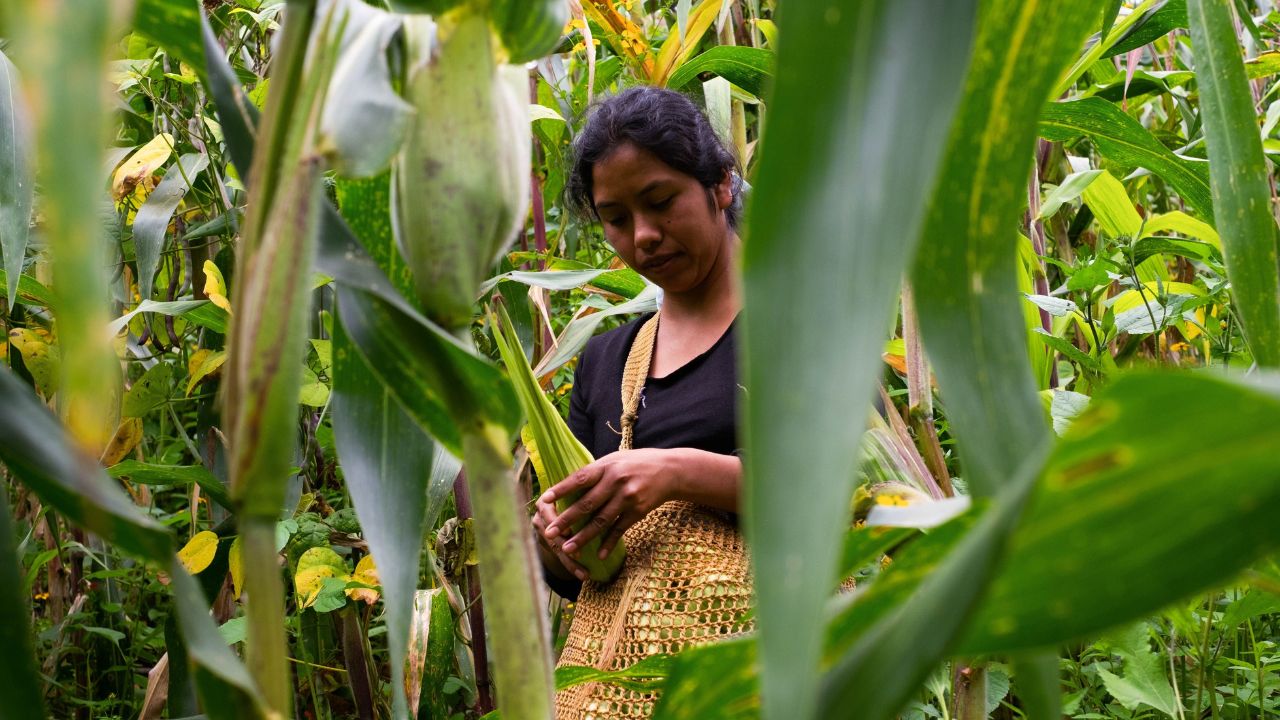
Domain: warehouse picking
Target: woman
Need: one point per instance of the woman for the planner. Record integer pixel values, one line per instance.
(651, 169)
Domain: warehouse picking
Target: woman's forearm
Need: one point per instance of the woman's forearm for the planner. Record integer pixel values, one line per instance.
(707, 478)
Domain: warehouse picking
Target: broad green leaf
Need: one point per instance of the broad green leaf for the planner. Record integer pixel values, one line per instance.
(20, 683)
(152, 221)
(386, 458)
(1121, 139)
(226, 689)
(39, 452)
(151, 474)
(1117, 527)
(1239, 176)
(149, 391)
(884, 80)
(17, 186)
(749, 68)
(174, 25)
(1144, 681)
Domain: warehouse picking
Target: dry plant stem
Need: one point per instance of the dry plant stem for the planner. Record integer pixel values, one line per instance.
(522, 655)
(267, 653)
(920, 396)
(969, 688)
(474, 607)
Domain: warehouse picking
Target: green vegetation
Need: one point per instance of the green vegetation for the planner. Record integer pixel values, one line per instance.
(261, 458)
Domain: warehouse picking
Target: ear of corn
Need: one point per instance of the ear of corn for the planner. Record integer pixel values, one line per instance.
(462, 180)
(555, 452)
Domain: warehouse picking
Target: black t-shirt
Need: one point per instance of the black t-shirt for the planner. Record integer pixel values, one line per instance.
(694, 406)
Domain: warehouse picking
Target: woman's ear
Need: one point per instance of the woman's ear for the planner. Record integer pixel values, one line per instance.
(723, 191)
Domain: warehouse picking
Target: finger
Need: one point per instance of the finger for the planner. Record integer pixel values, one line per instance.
(615, 534)
(573, 566)
(543, 519)
(579, 481)
(584, 507)
(598, 525)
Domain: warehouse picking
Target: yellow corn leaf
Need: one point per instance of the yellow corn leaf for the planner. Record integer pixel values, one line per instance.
(314, 567)
(123, 441)
(676, 49)
(141, 165)
(367, 573)
(236, 565)
(40, 357)
(215, 288)
(1130, 299)
(625, 37)
(1180, 222)
(198, 553)
(204, 363)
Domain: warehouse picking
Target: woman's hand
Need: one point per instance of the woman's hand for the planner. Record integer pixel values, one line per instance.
(618, 490)
(544, 515)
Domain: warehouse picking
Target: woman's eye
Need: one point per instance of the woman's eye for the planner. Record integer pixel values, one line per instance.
(613, 221)
(664, 203)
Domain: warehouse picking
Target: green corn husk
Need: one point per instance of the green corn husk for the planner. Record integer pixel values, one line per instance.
(555, 451)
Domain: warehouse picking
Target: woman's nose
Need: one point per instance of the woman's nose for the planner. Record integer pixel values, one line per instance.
(648, 233)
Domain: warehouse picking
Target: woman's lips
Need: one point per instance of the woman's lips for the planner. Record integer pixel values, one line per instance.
(659, 263)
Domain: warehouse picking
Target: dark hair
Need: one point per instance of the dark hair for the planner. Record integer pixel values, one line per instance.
(663, 122)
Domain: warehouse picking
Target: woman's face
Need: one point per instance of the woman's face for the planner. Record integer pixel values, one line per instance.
(659, 220)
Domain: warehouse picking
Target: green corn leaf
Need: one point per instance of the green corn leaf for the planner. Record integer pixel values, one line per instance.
(1122, 140)
(556, 452)
(966, 284)
(1161, 19)
(152, 221)
(1238, 172)
(20, 684)
(884, 80)
(16, 183)
(1117, 527)
(226, 689)
(29, 291)
(386, 459)
(575, 335)
(749, 68)
(39, 452)
(200, 312)
(430, 653)
(62, 47)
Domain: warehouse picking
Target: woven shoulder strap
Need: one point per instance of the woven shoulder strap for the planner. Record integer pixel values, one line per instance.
(634, 373)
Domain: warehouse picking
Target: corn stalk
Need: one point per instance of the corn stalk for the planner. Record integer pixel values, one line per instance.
(263, 370)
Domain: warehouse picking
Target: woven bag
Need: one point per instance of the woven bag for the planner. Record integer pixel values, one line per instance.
(686, 582)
